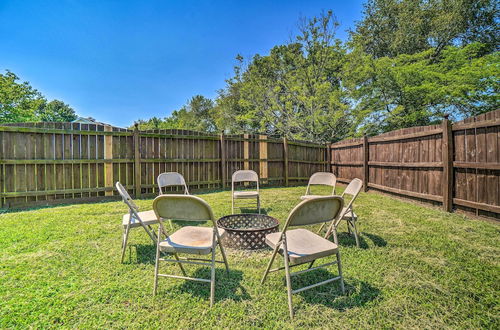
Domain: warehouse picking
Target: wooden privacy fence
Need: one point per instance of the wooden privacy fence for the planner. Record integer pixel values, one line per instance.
(456, 165)
(42, 163)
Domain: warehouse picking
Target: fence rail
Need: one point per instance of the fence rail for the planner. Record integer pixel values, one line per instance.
(456, 165)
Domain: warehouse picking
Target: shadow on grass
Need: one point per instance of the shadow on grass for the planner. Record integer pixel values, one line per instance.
(254, 211)
(357, 293)
(227, 286)
(346, 239)
(144, 254)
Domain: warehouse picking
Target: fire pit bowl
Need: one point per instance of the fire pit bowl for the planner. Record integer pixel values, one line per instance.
(247, 231)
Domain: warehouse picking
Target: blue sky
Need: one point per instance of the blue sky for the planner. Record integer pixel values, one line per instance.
(118, 61)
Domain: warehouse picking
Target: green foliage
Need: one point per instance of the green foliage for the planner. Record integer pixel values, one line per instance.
(56, 111)
(195, 115)
(415, 90)
(394, 27)
(295, 91)
(19, 102)
(418, 267)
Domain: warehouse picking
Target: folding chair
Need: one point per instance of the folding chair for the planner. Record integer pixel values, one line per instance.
(300, 246)
(187, 240)
(352, 190)
(320, 178)
(170, 179)
(245, 176)
(134, 218)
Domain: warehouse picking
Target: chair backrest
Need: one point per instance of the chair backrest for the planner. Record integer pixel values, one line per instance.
(245, 176)
(171, 179)
(126, 197)
(182, 207)
(316, 210)
(352, 189)
(322, 178)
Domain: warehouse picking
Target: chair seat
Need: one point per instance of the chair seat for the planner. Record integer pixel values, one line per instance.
(349, 215)
(303, 245)
(147, 217)
(245, 194)
(311, 196)
(190, 239)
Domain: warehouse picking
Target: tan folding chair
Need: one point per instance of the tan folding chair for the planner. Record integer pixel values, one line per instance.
(245, 176)
(351, 192)
(300, 246)
(320, 178)
(170, 179)
(187, 240)
(134, 218)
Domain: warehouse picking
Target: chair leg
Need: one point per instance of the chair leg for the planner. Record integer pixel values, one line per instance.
(270, 264)
(355, 231)
(288, 280)
(155, 286)
(335, 238)
(124, 242)
(258, 203)
(339, 265)
(212, 277)
(232, 204)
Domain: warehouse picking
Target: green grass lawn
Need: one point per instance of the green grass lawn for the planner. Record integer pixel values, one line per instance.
(418, 267)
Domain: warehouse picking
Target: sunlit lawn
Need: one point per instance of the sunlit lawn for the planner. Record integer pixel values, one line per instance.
(418, 267)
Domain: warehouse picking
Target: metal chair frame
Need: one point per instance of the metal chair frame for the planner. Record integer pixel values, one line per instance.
(133, 214)
(300, 216)
(353, 189)
(244, 176)
(317, 179)
(170, 179)
(187, 216)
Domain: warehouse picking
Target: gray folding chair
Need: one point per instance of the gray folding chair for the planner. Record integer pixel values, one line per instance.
(300, 246)
(134, 218)
(245, 176)
(187, 240)
(170, 179)
(320, 178)
(351, 192)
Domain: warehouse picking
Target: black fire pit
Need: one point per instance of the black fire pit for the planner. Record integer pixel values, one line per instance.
(247, 231)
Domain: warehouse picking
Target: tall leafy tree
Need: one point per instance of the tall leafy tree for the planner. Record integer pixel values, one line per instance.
(195, 115)
(295, 91)
(19, 102)
(412, 90)
(393, 27)
(56, 111)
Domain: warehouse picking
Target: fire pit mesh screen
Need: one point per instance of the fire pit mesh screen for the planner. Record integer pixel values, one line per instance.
(247, 231)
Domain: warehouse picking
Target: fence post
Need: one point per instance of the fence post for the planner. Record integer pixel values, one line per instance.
(137, 162)
(263, 169)
(108, 154)
(366, 158)
(447, 149)
(328, 158)
(285, 160)
(223, 160)
(246, 152)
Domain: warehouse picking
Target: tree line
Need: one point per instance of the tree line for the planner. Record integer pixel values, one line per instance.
(406, 63)
(19, 102)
